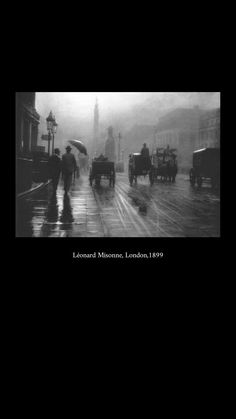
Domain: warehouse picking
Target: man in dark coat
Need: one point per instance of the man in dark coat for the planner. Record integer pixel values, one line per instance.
(145, 154)
(145, 150)
(54, 165)
(68, 168)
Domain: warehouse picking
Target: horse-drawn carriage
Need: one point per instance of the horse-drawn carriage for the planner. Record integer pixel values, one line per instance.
(164, 164)
(206, 165)
(102, 168)
(139, 166)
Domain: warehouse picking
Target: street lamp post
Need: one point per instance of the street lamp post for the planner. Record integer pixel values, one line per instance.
(119, 138)
(52, 128)
(49, 139)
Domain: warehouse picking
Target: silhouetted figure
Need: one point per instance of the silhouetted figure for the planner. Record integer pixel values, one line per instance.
(146, 156)
(77, 169)
(110, 146)
(145, 151)
(54, 166)
(83, 162)
(68, 168)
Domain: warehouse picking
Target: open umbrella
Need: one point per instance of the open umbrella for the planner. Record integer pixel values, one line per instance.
(79, 145)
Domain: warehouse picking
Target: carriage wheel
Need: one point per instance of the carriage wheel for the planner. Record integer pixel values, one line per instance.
(199, 181)
(112, 181)
(192, 177)
(97, 181)
(215, 182)
(131, 177)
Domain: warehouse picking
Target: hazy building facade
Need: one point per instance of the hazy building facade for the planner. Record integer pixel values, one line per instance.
(27, 121)
(137, 135)
(209, 129)
(95, 130)
(188, 130)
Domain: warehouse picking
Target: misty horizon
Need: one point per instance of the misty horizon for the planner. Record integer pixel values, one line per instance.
(74, 111)
(81, 104)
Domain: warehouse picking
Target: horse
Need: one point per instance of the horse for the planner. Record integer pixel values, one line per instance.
(162, 172)
(167, 171)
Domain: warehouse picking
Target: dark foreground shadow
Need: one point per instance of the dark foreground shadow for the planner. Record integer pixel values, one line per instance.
(23, 219)
(52, 212)
(66, 215)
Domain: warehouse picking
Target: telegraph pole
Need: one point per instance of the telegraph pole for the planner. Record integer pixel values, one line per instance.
(119, 138)
(49, 139)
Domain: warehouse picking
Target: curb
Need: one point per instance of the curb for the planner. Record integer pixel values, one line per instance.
(40, 186)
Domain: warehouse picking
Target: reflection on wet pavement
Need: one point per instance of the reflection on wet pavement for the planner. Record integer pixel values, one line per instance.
(66, 215)
(162, 210)
(52, 212)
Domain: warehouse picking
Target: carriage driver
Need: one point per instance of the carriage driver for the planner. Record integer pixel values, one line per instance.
(145, 151)
(145, 154)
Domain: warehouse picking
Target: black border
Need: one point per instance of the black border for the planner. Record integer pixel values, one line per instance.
(161, 66)
(177, 251)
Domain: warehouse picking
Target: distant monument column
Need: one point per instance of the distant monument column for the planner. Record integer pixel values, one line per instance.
(197, 140)
(110, 146)
(95, 129)
(119, 140)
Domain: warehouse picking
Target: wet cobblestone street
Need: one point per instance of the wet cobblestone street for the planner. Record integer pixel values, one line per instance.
(162, 210)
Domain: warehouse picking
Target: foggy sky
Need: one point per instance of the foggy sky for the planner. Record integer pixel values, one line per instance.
(74, 111)
(76, 104)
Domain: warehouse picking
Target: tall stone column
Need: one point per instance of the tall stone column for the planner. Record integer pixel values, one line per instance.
(95, 129)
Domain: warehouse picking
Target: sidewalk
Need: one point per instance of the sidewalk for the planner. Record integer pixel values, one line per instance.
(35, 187)
(42, 214)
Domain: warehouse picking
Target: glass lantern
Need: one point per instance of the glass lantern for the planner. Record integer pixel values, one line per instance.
(50, 122)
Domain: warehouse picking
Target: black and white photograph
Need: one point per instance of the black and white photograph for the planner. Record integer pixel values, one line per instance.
(117, 164)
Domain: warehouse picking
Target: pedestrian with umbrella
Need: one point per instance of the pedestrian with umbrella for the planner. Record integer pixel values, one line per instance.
(79, 145)
(68, 168)
(82, 149)
(77, 171)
